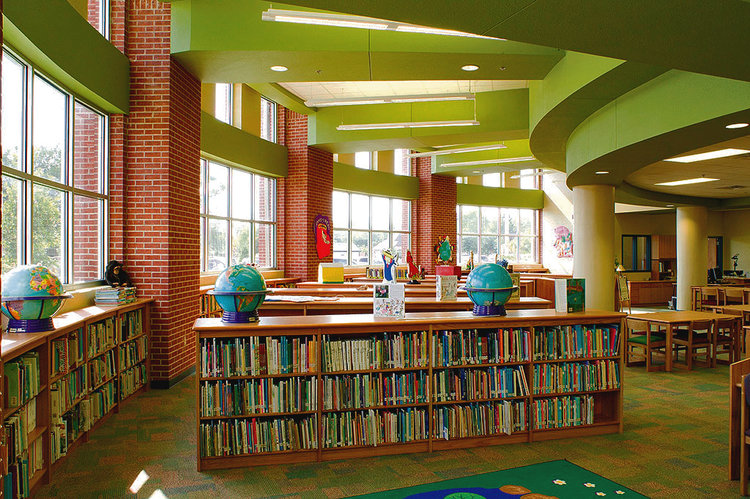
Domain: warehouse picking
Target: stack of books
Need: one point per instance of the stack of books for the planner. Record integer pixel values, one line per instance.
(114, 296)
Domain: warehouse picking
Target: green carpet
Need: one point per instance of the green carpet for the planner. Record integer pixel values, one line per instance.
(560, 479)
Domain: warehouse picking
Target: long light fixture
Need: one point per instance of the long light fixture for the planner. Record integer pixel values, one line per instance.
(406, 124)
(388, 99)
(697, 180)
(721, 153)
(490, 161)
(442, 152)
(361, 22)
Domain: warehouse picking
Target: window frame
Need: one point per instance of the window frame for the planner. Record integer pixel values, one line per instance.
(69, 192)
(274, 137)
(499, 234)
(632, 265)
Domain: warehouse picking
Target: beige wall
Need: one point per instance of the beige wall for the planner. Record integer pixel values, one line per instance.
(736, 238)
(81, 6)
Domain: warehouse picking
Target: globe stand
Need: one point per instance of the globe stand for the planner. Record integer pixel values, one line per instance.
(30, 325)
(489, 310)
(240, 317)
(37, 324)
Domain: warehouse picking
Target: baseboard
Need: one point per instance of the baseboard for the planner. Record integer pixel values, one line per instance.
(164, 384)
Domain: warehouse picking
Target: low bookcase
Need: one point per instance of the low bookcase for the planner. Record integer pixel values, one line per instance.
(62, 384)
(312, 388)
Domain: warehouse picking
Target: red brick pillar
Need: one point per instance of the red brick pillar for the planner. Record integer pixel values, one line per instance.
(435, 213)
(306, 192)
(162, 184)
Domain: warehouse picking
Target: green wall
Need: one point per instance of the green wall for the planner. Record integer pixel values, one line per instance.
(352, 179)
(505, 197)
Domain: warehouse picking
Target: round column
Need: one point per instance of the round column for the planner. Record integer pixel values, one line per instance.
(593, 243)
(692, 251)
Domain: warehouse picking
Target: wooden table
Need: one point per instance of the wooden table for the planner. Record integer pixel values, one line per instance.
(744, 311)
(675, 318)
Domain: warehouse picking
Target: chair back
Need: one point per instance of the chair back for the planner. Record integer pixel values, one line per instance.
(636, 325)
(736, 295)
(700, 326)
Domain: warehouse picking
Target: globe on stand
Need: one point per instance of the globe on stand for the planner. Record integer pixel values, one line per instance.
(489, 287)
(31, 295)
(239, 291)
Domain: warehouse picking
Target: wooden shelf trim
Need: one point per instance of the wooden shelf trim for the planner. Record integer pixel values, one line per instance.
(260, 376)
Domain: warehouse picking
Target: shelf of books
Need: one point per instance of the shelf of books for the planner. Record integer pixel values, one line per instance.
(62, 383)
(293, 389)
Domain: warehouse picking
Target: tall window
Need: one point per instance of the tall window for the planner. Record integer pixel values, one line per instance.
(363, 160)
(510, 233)
(401, 164)
(492, 179)
(238, 217)
(54, 177)
(363, 226)
(267, 119)
(98, 16)
(223, 103)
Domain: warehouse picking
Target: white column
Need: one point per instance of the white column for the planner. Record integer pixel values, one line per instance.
(593, 243)
(692, 251)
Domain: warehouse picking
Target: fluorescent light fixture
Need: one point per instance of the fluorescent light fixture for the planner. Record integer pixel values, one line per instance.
(470, 67)
(490, 161)
(361, 22)
(737, 125)
(406, 124)
(602, 172)
(279, 68)
(721, 153)
(441, 152)
(388, 99)
(697, 180)
(670, 206)
(138, 482)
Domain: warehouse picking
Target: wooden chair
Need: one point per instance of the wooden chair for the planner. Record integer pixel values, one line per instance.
(733, 296)
(640, 337)
(745, 435)
(699, 335)
(726, 340)
(708, 296)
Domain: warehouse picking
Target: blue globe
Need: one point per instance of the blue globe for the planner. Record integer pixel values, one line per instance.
(489, 286)
(31, 293)
(239, 290)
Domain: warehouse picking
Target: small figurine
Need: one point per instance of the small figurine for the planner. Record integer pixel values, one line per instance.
(414, 274)
(116, 275)
(390, 259)
(444, 250)
(470, 263)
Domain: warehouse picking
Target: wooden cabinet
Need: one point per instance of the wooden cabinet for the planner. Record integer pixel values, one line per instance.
(650, 292)
(663, 247)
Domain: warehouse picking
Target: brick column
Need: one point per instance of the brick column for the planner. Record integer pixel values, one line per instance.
(162, 184)
(435, 213)
(306, 192)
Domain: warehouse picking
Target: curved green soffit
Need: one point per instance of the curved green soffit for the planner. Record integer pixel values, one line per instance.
(54, 37)
(503, 115)
(575, 88)
(627, 193)
(351, 179)
(225, 143)
(504, 197)
(671, 114)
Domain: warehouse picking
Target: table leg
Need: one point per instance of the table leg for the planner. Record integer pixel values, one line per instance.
(668, 352)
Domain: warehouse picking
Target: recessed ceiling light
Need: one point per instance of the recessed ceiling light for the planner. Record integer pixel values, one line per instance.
(503, 68)
(737, 125)
(602, 172)
(696, 180)
(279, 68)
(470, 67)
(721, 153)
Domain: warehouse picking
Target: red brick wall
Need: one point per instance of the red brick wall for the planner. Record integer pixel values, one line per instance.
(306, 192)
(435, 212)
(161, 185)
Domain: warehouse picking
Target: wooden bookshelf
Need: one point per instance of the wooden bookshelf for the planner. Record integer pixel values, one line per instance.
(406, 354)
(66, 377)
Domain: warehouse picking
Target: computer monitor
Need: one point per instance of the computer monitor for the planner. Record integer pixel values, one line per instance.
(714, 275)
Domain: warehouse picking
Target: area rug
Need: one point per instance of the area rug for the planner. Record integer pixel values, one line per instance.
(554, 479)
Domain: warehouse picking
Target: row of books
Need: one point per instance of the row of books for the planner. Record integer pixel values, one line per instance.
(235, 437)
(67, 351)
(20, 471)
(17, 429)
(131, 324)
(114, 296)
(576, 376)
(369, 390)
(388, 351)
(561, 412)
(482, 383)
(132, 379)
(101, 336)
(132, 352)
(570, 342)
(483, 419)
(22, 379)
(102, 401)
(256, 356)
(24, 458)
(375, 427)
(480, 346)
(102, 368)
(258, 396)
(66, 391)
(68, 427)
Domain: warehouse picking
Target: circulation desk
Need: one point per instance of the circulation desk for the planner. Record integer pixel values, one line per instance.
(317, 388)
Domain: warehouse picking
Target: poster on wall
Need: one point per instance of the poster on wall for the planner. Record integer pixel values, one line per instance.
(323, 239)
(563, 242)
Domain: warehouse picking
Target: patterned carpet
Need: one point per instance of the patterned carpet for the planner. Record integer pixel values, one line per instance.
(675, 444)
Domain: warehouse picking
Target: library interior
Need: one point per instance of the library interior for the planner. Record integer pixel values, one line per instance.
(339, 248)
